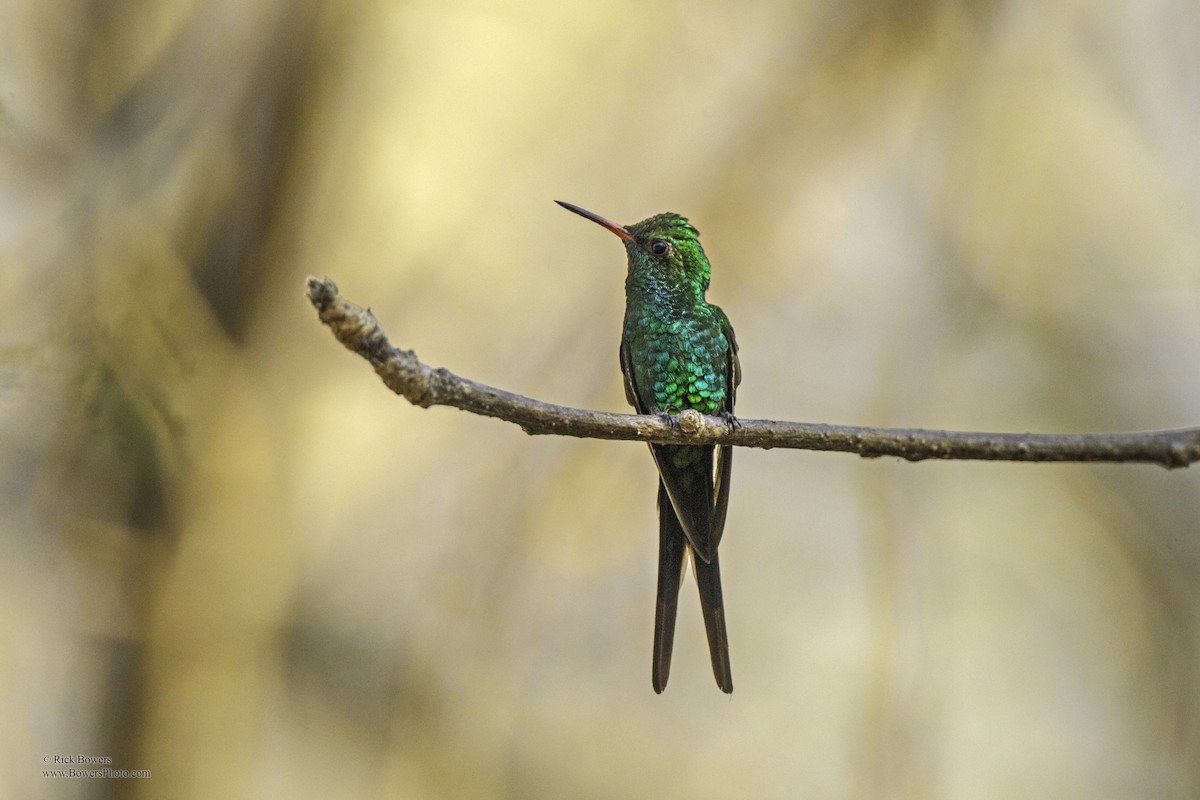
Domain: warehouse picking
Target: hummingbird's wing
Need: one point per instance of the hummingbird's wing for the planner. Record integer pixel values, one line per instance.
(733, 366)
(631, 395)
(724, 476)
(721, 491)
(690, 487)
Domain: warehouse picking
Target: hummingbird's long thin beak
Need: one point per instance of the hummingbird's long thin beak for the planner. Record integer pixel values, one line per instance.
(599, 220)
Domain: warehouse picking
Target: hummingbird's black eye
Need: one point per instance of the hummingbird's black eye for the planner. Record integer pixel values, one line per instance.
(658, 247)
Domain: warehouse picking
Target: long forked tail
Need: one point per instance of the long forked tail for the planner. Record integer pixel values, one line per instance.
(672, 547)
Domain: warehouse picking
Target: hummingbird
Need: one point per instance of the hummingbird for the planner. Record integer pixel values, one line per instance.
(678, 352)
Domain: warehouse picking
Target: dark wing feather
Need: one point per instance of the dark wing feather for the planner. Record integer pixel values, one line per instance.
(733, 366)
(694, 505)
(724, 477)
(631, 395)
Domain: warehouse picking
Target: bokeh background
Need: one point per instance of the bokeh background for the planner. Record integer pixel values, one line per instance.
(229, 557)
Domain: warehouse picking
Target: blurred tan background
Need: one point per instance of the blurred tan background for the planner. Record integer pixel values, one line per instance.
(228, 556)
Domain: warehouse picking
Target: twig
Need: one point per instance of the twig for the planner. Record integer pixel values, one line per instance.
(422, 385)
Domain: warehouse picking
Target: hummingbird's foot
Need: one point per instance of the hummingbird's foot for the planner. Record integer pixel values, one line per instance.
(734, 422)
(671, 419)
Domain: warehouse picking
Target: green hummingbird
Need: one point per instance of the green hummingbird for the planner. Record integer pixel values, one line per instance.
(678, 352)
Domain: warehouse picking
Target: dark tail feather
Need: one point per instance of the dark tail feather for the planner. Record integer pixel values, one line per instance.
(671, 548)
(708, 579)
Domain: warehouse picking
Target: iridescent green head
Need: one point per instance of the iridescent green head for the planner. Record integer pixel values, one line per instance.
(665, 246)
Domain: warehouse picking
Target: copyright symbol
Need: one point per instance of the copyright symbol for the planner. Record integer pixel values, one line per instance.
(45, 759)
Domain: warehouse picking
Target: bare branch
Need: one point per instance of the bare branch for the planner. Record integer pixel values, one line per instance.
(422, 385)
